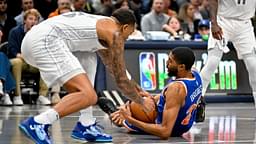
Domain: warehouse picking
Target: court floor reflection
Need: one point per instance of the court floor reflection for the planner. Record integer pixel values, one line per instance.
(225, 123)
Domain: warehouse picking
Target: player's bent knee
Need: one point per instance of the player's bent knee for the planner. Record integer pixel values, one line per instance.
(90, 97)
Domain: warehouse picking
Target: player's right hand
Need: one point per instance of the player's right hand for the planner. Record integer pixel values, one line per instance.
(148, 104)
(216, 31)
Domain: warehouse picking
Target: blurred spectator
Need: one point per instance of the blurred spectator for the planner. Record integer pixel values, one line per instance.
(62, 4)
(97, 5)
(132, 6)
(186, 14)
(181, 2)
(154, 20)
(122, 4)
(7, 82)
(88, 7)
(78, 5)
(26, 5)
(107, 8)
(145, 6)
(197, 4)
(45, 7)
(205, 9)
(173, 26)
(135, 5)
(31, 18)
(203, 30)
(6, 22)
(82, 5)
(167, 10)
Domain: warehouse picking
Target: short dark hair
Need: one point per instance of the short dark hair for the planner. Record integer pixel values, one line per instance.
(124, 16)
(184, 55)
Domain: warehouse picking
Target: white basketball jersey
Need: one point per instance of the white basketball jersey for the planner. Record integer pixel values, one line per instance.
(237, 9)
(77, 29)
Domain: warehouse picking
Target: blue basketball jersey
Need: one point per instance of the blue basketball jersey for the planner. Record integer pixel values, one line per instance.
(187, 113)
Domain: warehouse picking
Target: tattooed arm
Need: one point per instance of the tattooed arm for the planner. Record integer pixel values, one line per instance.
(113, 59)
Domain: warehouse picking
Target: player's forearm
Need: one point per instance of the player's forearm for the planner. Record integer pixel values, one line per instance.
(128, 88)
(154, 129)
(213, 4)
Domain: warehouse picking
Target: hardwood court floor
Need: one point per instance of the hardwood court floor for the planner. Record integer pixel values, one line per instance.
(225, 123)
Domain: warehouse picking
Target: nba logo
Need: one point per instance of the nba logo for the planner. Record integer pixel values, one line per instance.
(147, 71)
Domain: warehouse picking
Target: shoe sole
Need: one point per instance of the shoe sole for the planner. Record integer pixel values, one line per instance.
(85, 141)
(18, 104)
(26, 133)
(77, 139)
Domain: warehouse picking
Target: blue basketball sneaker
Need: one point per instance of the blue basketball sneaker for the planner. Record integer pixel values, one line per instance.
(35, 131)
(90, 133)
(131, 127)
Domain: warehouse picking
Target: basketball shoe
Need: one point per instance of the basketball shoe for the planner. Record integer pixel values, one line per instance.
(200, 113)
(92, 133)
(35, 131)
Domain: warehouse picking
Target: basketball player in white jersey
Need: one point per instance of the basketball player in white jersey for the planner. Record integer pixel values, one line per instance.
(230, 21)
(49, 47)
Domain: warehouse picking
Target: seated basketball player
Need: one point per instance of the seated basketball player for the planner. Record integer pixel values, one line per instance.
(176, 105)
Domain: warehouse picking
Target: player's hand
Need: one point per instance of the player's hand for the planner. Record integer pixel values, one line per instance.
(216, 31)
(125, 111)
(145, 94)
(148, 104)
(116, 118)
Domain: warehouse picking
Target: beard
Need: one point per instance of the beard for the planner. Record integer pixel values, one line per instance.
(172, 72)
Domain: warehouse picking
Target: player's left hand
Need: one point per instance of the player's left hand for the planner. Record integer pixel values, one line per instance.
(145, 94)
(116, 118)
(125, 111)
(148, 104)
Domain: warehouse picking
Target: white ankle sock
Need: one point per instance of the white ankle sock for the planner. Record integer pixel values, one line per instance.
(86, 117)
(254, 98)
(1, 88)
(47, 117)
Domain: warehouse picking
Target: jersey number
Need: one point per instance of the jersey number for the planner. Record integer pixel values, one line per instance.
(241, 2)
(189, 112)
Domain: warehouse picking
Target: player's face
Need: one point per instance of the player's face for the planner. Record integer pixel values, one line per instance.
(172, 66)
(127, 30)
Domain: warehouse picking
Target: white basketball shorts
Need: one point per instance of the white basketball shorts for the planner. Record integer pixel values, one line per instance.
(239, 32)
(42, 48)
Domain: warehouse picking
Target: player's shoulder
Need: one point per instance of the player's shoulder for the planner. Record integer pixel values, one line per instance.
(177, 87)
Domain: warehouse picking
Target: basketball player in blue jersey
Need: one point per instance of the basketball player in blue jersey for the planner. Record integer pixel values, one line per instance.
(177, 103)
(49, 46)
(230, 21)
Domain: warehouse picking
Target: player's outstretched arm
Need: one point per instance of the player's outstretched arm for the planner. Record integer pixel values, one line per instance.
(215, 28)
(113, 58)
